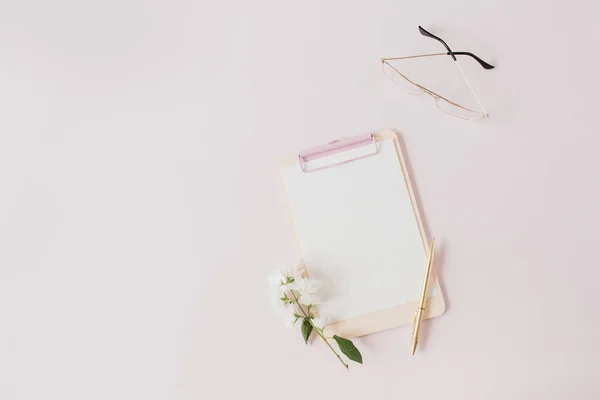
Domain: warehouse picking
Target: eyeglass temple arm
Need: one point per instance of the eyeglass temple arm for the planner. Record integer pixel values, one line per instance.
(479, 60)
(431, 35)
(454, 54)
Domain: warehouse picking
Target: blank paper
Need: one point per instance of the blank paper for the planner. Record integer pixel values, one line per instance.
(357, 231)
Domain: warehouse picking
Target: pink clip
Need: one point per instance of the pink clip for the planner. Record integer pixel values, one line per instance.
(334, 147)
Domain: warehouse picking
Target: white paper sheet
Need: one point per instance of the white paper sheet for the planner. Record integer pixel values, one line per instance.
(357, 231)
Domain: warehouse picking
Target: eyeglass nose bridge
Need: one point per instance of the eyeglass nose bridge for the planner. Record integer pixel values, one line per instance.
(429, 92)
(419, 90)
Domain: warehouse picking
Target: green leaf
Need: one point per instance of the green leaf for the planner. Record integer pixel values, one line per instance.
(348, 348)
(307, 329)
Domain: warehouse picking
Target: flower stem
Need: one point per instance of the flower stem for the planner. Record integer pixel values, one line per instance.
(329, 345)
(317, 329)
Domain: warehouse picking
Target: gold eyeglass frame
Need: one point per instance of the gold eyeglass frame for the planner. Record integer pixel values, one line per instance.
(436, 97)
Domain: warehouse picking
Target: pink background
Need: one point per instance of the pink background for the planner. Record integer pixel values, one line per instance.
(140, 211)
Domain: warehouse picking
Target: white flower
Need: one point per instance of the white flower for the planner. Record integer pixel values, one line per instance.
(286, 277)
(309, 299)
(292, 275)
(320, 322)
(295, 297)
(275, 295)
(293, 309)
(286, 313)
(288, 319)
(306, 291)
(286, 287)
(305, 286)
(281, 297)
(276, 279)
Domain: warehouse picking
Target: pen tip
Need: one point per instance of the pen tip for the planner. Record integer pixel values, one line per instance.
(413, 348)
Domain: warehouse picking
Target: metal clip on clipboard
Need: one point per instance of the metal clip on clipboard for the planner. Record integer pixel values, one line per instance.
(337, 146)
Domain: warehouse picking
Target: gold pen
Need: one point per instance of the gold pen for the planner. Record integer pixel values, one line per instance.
(419, 314)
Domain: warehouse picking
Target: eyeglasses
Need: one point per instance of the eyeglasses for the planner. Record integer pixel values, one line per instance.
(444, 104)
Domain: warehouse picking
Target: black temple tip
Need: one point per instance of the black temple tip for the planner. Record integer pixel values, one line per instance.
(479, 60)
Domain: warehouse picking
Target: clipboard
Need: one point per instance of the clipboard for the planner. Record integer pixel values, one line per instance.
(358, 230)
